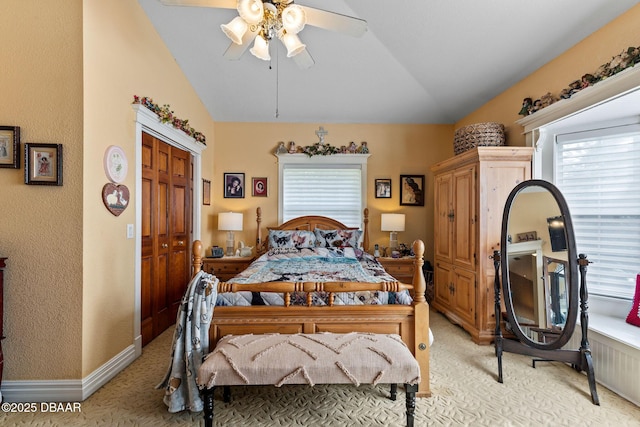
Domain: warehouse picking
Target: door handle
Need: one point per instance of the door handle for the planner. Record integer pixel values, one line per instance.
(180, 243)
(164, 246)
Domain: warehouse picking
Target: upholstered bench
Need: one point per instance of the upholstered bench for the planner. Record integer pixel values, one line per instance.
(323, 358)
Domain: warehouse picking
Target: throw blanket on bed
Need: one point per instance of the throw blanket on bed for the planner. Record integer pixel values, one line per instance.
(314, 265)
(190, 344)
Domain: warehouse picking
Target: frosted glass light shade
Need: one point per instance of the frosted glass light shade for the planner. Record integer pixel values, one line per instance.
(251, 11)
(293, 44)
(293, 19)
(260, 49)
(235, 29)
(392, 222)
(230, 221)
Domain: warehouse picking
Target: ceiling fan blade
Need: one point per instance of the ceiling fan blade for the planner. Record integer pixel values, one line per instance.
(223, 4)
(335, 22)
(235, 51)
(304, 60)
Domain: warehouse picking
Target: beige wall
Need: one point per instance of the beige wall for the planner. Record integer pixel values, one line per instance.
(584, 57)
(123, 56)
(69, 290)
(41, 227)
(395, 150)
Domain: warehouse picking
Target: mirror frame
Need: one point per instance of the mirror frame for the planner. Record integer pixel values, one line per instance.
(571, 273)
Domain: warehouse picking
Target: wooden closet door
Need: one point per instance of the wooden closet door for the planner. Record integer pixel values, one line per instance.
(166, 227)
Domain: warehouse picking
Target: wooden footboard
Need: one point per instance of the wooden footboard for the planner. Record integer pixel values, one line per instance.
(411, 322)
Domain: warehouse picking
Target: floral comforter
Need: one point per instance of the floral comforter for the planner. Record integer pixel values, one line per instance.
(314, 265)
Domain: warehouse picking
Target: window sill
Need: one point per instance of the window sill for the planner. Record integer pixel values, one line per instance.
(615, 328)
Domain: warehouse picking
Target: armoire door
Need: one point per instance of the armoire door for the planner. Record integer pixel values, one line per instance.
(166, 233)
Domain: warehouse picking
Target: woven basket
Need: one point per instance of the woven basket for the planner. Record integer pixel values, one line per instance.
(478, 135)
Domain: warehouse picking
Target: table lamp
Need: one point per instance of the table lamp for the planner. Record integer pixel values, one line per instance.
(230, 222)
(393, 223)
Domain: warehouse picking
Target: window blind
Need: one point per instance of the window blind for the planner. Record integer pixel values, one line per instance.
(332, 191)
(598, 172)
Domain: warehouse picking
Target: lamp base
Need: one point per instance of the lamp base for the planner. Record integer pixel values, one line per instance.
(393, 240)
(231, 243)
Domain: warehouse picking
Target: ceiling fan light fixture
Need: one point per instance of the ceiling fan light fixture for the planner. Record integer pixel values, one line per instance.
(260, 49)
(252, 11)
(293, 44)
(294, 19)
(235, 29)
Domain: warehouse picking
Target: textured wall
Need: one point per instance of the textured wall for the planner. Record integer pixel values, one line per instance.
(584, 57)
(395, 150)
(41, 227)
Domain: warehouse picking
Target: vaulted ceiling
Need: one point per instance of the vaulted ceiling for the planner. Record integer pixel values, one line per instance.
(419, 62)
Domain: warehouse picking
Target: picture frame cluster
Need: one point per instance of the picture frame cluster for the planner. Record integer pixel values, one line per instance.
(42, 161)
(411, 189)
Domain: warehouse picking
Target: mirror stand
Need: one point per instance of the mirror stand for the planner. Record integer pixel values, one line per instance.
(580, 359)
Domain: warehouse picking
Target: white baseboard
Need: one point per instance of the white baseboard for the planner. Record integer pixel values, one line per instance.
(69, 390)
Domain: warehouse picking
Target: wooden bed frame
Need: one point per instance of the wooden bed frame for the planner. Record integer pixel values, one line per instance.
(411, 322)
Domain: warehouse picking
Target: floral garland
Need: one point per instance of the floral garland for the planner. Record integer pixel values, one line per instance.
(625, 59)
(318, 149)
(165, 115)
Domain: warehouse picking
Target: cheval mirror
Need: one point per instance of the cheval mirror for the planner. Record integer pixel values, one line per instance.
(540, 286)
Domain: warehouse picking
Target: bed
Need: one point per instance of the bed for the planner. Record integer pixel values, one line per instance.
(409, 319)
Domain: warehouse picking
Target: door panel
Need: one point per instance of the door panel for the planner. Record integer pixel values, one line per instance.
(166, 233)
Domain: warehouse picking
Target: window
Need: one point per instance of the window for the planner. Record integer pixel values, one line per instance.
(598, 172)
(332, 186)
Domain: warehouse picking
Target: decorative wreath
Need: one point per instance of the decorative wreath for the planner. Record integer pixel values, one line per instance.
(165, 115)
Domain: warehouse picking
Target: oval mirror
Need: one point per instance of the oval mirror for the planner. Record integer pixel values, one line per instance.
(539, 266)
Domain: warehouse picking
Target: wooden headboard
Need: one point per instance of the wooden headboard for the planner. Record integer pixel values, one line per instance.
(310, 223)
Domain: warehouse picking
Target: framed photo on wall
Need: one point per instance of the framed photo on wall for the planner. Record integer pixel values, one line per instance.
(43, 164)
(383, 188)
(234, 185)
(412, 190)
(259, 187)
(10, 147)
(206, 192)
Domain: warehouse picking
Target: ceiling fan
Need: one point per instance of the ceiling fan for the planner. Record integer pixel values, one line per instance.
(260, 21)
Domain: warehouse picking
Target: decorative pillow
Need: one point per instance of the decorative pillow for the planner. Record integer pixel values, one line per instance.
(291, 239)
(338, 238)
(634, 315)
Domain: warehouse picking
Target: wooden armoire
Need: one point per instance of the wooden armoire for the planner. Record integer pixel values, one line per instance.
(166, 231)
(470, 191)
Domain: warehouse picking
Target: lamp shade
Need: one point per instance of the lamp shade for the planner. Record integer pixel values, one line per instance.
(235, 29)
(392, 222)
(260, 49)
(293, 19)
(251, 11)
(230, 221)
(293, 44)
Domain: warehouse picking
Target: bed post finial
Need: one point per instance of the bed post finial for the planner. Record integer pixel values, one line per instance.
(419, 283)
(365, 242)
(258, 233)
(196, 257)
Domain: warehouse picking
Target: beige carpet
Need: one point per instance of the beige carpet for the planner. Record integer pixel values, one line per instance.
(463, 381)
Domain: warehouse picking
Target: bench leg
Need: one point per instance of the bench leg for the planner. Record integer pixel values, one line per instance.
(411, 402)
(207, 397)
(394, 391)
(226, 394)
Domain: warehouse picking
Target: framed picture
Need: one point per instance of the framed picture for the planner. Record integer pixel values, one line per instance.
(259, 187)
(234, 185)
(412, 190)
(206, 192)
(43, 164)
(383, 188)
(10, 147)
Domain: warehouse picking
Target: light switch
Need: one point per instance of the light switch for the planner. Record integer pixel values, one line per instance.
(130, 231)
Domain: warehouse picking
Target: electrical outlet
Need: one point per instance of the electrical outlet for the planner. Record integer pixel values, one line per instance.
(130, 231)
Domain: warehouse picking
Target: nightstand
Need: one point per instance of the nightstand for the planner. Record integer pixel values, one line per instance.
(226, 267)
(400, 268)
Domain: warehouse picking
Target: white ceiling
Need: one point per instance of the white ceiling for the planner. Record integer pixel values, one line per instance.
(420, 61)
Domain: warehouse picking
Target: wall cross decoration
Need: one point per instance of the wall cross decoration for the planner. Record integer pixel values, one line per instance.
(321, 134)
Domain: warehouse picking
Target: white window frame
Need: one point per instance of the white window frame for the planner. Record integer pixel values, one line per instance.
(338, 160)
